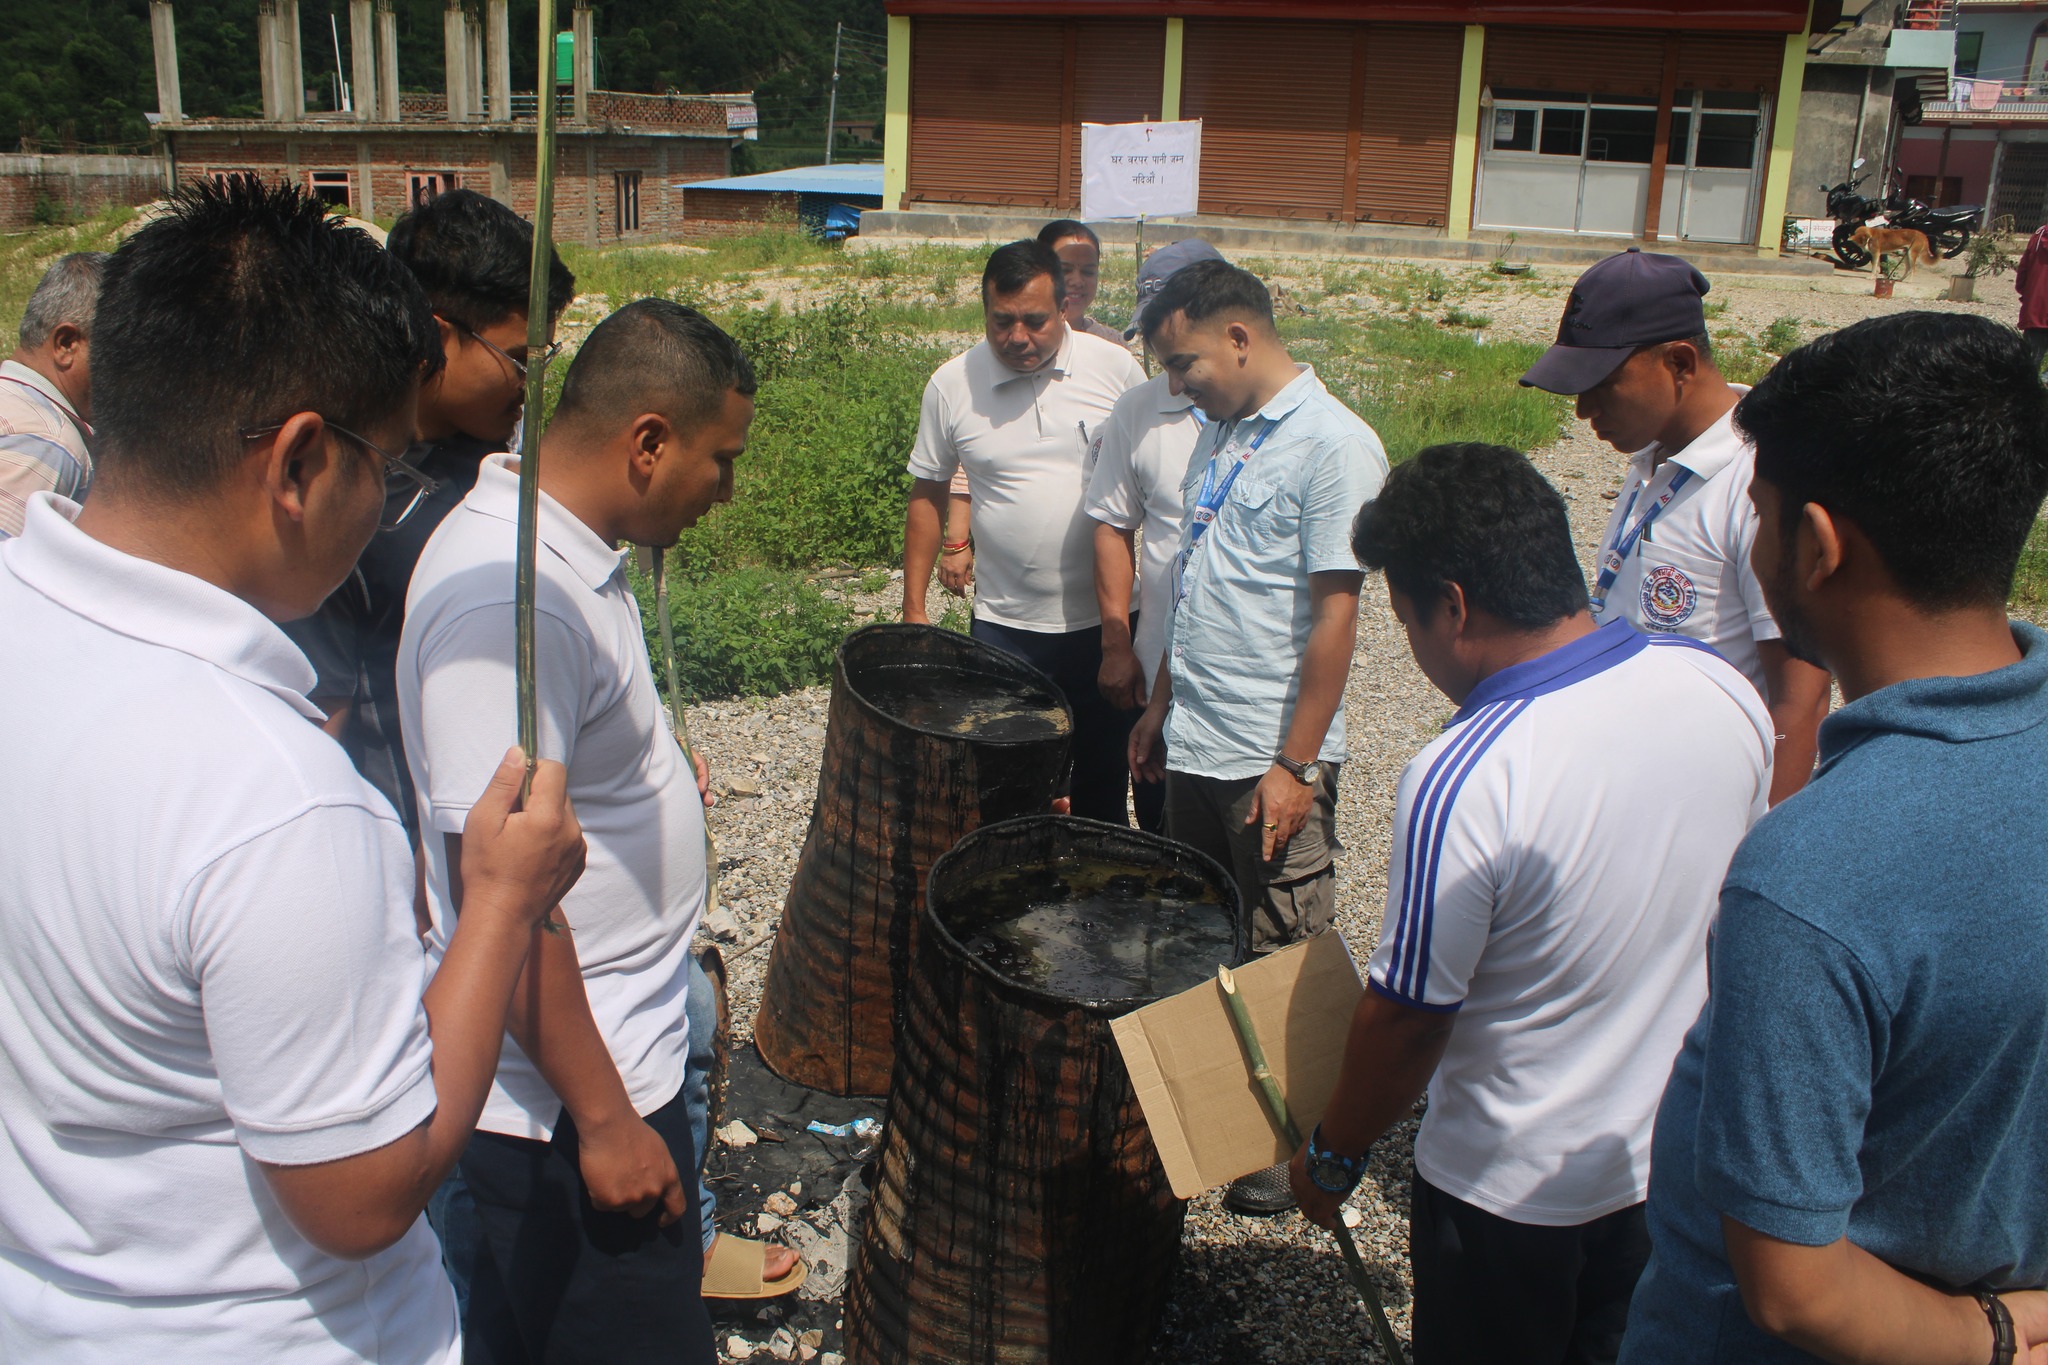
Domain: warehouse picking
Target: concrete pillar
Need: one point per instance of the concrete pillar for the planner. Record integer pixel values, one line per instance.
(473, 81)
(1465, 141)
(1770, 237)
(267, 60)
(455, 58)
(498, 45)
(387, 63)
(896, 115)
(362, 58)
(584, 27)
(163, 35)
(291, 67)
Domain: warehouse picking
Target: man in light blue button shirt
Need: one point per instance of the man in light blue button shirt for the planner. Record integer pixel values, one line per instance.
(1250, 693)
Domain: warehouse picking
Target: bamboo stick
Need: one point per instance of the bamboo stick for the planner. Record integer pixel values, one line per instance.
(537, 320)
(1276, 1108)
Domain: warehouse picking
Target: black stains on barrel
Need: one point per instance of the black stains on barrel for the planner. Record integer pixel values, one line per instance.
(929, 735)
(1020, 1211)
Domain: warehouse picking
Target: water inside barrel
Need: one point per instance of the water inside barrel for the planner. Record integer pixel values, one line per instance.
(957, 701)
(1092, 930)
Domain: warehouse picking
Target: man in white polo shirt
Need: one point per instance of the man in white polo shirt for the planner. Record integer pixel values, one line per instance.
(576, 1167)
(220, 1109)
(1019, 413)
(1543, 950)
(1633, 348)
(1141, 456)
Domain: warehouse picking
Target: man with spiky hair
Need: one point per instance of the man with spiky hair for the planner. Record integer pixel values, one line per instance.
(224, 1099)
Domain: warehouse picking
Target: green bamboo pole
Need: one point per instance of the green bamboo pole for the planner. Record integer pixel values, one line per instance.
(1276, 1107)
(682, 727)
(536, 391)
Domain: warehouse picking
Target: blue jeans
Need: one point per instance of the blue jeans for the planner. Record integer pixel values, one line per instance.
(702, 1013)
(451, 1213)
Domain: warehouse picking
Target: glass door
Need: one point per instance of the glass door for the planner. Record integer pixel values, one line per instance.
(1714, 160)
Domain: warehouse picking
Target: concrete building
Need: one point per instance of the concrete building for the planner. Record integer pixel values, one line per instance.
(618, 156)
(1648, 119)
(1988, 142)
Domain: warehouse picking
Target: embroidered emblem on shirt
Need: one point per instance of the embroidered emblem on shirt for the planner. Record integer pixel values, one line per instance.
(1669, 597)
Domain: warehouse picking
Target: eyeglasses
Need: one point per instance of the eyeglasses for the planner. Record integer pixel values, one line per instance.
(518, 366)
(404, 484)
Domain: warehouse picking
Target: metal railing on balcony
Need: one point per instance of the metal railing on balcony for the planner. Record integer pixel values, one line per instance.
(1991, 101)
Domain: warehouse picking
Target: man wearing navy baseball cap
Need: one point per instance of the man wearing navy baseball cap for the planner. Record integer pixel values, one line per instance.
(1633, 350)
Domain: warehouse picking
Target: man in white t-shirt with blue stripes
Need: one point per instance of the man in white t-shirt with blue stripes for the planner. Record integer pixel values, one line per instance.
(1556, 858)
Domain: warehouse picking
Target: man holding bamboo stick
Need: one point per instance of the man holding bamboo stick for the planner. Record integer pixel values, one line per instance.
(223, 1100)
(583, 1165)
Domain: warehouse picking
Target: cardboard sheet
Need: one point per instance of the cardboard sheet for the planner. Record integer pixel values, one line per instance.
(1194, 1084)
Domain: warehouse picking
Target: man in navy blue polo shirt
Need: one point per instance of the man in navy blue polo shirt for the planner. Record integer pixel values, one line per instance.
(1849, 1156)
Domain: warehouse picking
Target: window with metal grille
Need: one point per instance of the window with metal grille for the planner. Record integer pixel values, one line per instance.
(626, 190)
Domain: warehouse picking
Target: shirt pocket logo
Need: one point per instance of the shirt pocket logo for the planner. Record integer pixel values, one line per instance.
(1669, 597)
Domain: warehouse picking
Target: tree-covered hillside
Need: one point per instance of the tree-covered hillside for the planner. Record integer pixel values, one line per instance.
(80, 72)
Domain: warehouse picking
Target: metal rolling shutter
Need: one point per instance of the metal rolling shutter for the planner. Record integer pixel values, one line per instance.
(972, 140)
(1274, 98)
(1410, 120)
(1744, 62)
(1119, 69)
(1599, 61)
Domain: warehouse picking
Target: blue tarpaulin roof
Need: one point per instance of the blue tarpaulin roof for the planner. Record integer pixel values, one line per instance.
(836, 180)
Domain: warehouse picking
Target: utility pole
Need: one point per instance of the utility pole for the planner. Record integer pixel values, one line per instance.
(832, 106)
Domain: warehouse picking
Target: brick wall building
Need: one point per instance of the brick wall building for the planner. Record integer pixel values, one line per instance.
(61, 188)
(618, 156)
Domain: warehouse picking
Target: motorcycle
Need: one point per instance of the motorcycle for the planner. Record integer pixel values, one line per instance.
(1850, 211)
(1947, 229)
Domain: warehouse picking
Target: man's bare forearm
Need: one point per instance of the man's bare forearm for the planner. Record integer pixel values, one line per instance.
(921, 522)
(1389, 1056)
(1799, 694)
(550, 1019)
(1843, 1304)
(1115, 572)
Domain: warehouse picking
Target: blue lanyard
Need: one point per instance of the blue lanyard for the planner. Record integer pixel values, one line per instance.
(1611, 562)
(1209, 501)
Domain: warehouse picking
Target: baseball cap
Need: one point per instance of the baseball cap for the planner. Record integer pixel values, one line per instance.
(1154, 270)
(1627, 301)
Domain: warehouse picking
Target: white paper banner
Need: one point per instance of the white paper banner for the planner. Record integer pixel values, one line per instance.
(1134, 170)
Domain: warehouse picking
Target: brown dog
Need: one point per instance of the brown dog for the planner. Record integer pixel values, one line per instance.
(1882, 241)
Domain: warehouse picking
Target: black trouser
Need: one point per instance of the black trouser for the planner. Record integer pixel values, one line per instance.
(557, 1282)
(1073, 659)
(1489, 1290)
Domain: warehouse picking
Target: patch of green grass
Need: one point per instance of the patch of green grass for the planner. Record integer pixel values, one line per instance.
(1458, 317)
(1419, 384)
(1781, 336)
(24, 256)
(744, 632)
(2030, 581)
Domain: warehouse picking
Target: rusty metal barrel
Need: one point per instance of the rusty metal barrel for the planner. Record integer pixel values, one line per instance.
(930, 734)
(1020, 1212)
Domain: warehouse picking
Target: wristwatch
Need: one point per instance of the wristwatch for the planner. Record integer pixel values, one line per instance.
(1331, 1173)
(1308, 774)
(2004, 1342)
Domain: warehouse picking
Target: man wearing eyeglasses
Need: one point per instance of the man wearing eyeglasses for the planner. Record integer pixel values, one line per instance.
(472, 256)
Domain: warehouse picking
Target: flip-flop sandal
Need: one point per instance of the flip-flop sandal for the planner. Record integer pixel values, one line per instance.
(733, 1271)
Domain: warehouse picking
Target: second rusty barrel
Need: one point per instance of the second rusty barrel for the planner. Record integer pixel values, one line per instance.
(929, 734)
(1020, 1213)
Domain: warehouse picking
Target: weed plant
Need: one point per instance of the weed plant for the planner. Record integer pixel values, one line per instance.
(743, 632)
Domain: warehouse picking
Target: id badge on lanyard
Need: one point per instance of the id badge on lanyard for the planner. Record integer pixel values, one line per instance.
(1612, 561)
(1209, 501)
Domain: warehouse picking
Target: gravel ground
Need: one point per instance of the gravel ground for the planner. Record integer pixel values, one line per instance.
(1250, 1289)
(1253, 1290)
